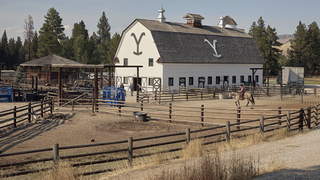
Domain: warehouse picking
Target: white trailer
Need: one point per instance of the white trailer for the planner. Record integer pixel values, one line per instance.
(293, 76)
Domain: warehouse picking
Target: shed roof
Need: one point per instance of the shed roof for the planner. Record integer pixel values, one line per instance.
(183, 43)
(51, 59)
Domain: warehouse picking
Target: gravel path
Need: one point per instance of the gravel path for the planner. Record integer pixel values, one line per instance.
(297, 154)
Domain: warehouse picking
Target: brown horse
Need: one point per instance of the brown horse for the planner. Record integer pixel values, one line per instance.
(246, 95)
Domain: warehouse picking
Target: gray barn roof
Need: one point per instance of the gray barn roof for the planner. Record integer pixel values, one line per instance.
(182, 43)
(51, 59)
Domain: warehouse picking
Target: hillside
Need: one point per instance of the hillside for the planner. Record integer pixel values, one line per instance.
(284, 39)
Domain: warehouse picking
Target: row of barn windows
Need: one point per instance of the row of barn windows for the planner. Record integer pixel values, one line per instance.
(210, 82)
(150, 62)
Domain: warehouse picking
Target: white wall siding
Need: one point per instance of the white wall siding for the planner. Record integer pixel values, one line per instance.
(205, 70)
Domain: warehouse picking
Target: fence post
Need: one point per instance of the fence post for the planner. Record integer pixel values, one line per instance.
(141, 105)
(29, 112)
(15, 116)
(130, 149)
(214, 92)
(188, 135)
(220, 89)
(55, 153)
(92, 100)
(238, 116)
(301, 120)
(261, 124)
(171, 95)
(170, 111)
(317, 106)
(202, 114)
(201, 94)
(41, 107)
(187, 95)
(309, 117)
(155, 95)
(228, 131)
(119, 111)
(279, 113)
(288, 121)
(315, 91)
(159, 98)
(72, 105)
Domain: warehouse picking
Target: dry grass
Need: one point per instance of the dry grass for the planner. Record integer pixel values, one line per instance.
(62, 171)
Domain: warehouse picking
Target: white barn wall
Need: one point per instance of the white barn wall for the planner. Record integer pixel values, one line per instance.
(205, 70)
(148, 48)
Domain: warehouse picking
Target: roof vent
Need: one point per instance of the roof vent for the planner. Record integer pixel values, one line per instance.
(161, 17)
(194, 19)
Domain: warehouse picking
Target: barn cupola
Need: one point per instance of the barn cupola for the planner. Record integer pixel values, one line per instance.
(221, 22)
(194, 19)
(227, 22)
(230, 23)
(161, 17)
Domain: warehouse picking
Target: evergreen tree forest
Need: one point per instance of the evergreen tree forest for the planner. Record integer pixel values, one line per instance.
(99, 48)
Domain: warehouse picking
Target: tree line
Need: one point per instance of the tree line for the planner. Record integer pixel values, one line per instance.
(99, 48)
(304, 49)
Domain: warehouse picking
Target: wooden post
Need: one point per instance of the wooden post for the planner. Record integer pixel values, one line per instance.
(15, 116)
(261, 124)
(41, 107)
(238, 116)
(93, 100)
(201, 94)
(170, 111)
(119, 111)
(214, 92)
(138, 86)
(101, 78)
(288, 121)
(301, 120)
(187, 95)
(141, 105)
(279, 114)
(202, 114)
(220, 89)
(130, 150)
(155, 95)
(317, 108)
(187, 135)
(301, 95)
(72, 105)
(309, 117)
(172, 95)
(55, 153)
(96, 89)
(228, 131)
(29, 112)
(159, 98)
(315, 91)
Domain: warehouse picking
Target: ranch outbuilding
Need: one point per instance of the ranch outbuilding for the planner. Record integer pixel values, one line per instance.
(187, 54)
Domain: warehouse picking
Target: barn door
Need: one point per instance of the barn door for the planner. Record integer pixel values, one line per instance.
(144, 84)
(118, 81)
(225, 81)
(156, 84)
(182, 82)
(201, 82)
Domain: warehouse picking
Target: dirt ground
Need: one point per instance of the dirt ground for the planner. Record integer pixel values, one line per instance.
(80, 126)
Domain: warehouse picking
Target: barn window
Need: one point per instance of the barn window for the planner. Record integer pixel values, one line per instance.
(150, 83)
(190, 81)
(125, 61)
(150, 62)
(234, 79)
(249, 79)
(209, 80)
(241, 79)
(256, 78)
(217, 79)
(125, 80)
(170, 82)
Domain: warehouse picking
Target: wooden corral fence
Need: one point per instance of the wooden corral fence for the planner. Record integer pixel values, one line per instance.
(24, 113)
(131, 150)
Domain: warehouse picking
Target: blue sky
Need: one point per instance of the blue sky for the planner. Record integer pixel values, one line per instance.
(284, 15)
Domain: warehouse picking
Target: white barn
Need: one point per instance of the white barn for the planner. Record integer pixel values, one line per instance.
(186, 54)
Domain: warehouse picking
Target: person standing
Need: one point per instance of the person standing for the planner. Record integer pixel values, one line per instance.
(131, 89)
(241, 92)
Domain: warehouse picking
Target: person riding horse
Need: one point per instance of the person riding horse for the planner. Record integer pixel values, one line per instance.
(241, 92)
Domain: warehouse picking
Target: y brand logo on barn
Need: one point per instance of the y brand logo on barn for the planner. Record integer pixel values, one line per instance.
(213, 47)
(138, 43)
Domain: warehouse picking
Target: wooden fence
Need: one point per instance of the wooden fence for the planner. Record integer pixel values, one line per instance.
(291, 120)
(24, 113)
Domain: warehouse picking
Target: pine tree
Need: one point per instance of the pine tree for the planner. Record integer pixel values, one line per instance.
(79, 29)
(298, 45)
(29, 34)
(11, 54)
(113, 45)
(4, 49)
(34, 47)
(313, 49)
(20, 59)
(18, 76)
(103, 28)
(50, 34)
